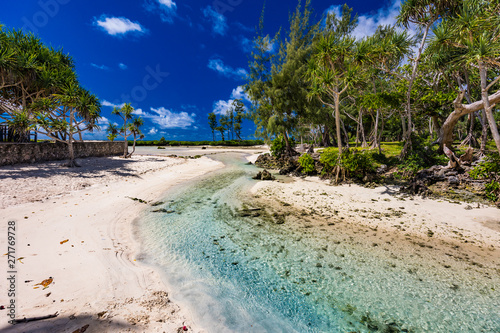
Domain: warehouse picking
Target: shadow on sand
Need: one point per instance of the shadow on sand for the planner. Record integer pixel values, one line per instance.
(97, 167)
(71, 324)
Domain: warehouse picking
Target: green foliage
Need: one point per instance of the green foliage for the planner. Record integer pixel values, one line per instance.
(485, 169)
(307, 164)
(356, 163)
(162, 141)
(278, 146)
(329, 158)
(111, 136)
(492, 190)
(421, 156)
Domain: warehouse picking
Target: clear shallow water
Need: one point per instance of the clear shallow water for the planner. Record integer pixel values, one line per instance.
(247, 274)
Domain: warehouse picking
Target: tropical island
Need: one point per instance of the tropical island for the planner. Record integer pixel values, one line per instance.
(367, 200)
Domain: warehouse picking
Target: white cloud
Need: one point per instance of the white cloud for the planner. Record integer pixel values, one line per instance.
(153, 131)
(219, 24)
(102, 67)
(138, 112)
(384, 16)
(166, 8)
(221, 107)
(368, 24)
(246, 44)
(165, 118)
(106, 103)
(219, 66)
(122, 66)
(102, 121)
(168, 3)
(118, 25)
(239, 93)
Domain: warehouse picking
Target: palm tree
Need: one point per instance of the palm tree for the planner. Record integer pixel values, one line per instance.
(134, 129)
(126, 112)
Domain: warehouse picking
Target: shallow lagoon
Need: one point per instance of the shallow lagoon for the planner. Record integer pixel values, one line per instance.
(249, 274)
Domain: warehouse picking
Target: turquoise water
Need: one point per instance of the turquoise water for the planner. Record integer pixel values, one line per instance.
(248, 274)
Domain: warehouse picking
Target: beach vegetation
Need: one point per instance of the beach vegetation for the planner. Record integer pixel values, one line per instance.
(307, 164)
(40, 91)
(411, 97)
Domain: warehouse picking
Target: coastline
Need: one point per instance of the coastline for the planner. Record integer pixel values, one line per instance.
(97, 282)
(95, 278)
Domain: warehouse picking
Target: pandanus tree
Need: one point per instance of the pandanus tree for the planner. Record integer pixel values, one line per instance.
(424, 14)
(61, 116)
(472, 37)
(39, 91)
(332, 71)
(134, 129)
(126, 113)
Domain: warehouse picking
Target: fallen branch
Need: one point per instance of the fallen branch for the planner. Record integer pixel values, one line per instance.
(25, 320)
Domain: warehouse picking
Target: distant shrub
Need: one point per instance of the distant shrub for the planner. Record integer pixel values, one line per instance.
(307, 164)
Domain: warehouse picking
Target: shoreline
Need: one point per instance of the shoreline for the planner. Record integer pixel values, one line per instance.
(96, 280)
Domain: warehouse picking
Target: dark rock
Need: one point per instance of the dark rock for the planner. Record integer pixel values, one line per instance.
(453, 180)
(264, 175)
(383, 168)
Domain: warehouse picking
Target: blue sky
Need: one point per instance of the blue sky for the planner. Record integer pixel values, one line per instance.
(175, 61)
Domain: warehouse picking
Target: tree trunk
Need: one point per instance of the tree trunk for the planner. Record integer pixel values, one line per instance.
(446, 132)
(470, 140)
(337, 122)
(403, 125)
(380, 136)
(71, 151)
(362, 129)
(484, 132)
(487, 106)
(325, 140)
(133, 147)
(375, 132)
(407, 137)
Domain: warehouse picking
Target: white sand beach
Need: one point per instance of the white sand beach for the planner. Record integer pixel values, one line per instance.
(74, 226)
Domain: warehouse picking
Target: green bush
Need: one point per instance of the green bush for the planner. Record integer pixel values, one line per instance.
(278, 146)
(356, 163)
(486, 168)
(329, 158)
(492, 190)
(307, 164)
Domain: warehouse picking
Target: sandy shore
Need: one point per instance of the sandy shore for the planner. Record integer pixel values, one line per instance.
(74, 229)
(456, 236)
